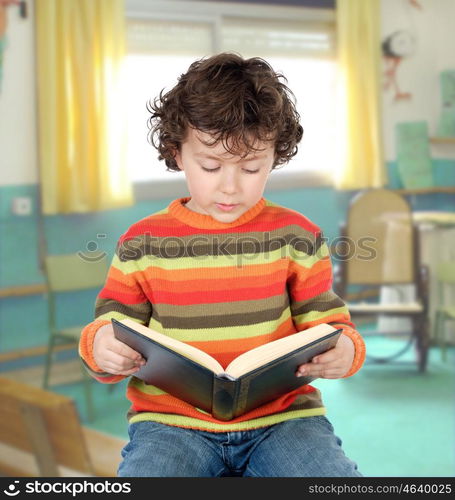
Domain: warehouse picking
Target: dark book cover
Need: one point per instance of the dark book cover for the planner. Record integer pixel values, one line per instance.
(219, 394)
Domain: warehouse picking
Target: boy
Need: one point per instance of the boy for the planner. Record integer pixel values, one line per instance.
(224, 270)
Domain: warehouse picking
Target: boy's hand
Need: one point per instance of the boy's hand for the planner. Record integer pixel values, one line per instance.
(113, 356)
(332, 364)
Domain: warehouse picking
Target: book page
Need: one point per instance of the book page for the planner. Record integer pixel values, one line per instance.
(186, 350)
(263, 354)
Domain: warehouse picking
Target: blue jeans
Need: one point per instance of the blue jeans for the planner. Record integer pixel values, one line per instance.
(303, 447)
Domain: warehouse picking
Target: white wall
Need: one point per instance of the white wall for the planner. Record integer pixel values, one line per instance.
(433, 29)
(419, 75)
(18, 151)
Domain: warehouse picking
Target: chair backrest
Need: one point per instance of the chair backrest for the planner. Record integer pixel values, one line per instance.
(380, 228)
(72, 272)
(43, 423)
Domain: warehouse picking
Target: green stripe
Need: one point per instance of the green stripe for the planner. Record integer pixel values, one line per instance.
(306, 260)
(223, 333)
(183, 421)
(323, 302)
(318, 315)
(140, 385)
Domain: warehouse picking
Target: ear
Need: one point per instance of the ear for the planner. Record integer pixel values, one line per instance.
(178, 159)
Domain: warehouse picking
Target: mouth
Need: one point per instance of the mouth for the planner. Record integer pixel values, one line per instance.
(224, 207)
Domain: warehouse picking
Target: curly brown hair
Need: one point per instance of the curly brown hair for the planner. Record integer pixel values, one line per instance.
(237, 101)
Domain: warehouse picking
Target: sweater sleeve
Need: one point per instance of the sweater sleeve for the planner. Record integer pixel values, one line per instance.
(122, 296)
(312, 299)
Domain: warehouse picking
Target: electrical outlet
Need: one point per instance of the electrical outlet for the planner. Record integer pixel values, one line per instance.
(22, 205)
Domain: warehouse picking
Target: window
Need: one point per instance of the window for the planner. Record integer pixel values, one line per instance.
(296, 42)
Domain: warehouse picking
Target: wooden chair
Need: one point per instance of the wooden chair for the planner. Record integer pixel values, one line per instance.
(67, 274)
(380, 248)
(445, 309)
(41, 436)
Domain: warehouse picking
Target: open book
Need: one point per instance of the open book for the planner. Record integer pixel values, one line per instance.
(250, 380)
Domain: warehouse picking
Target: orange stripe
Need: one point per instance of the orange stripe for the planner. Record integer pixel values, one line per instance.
(307, 293)
(119, 287)
(332, 318)
(195, 273)
(156, 220)
(218, 296)
(161, 399)
(125, 293)
(268, 214)
(169, 404)
(164, 403)
(275, 216)
(217, 284)
(120, 277)
(313, 280)
(302, 272)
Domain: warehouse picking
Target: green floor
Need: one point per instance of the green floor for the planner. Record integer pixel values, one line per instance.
(392, 420)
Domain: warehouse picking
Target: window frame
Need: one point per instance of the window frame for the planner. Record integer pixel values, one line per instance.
(213, 13)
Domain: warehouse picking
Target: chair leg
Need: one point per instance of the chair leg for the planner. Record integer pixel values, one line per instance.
(437, 330)
(48, 362)
(439, 334)
(87, 380)
(421, 330)
(443, 343)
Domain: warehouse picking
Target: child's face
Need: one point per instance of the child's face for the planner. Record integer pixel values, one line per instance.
(223, 185)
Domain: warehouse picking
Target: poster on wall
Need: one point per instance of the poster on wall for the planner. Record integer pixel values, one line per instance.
(446, 124)
(413, 155)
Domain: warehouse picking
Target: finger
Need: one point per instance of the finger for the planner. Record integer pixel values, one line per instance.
(118, 362)
(118, 370)
(315, 370)
(121, 362)
(327, 357)
(336, 372)
(316, 367)
(321, 372)
(122, 349)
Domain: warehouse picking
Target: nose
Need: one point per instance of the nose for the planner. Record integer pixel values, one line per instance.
(229, 182)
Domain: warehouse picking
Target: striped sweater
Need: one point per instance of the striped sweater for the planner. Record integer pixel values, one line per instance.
(224, 288)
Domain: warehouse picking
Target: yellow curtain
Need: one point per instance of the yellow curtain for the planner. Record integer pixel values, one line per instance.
(359, 57)
(81, 112)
